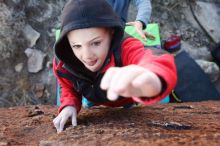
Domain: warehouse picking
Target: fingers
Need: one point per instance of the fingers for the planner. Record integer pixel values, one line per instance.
(141, 32)
(112, 95)
(123, 78)
(112, 82)
(140, 80)
(105, 82)
(59, 123)
(130, 23)
(62, 123)
(150, 36)
(139, 28)
(74, 119)
(119, 81)
(63, 116)
(148, 84)
(56, 123)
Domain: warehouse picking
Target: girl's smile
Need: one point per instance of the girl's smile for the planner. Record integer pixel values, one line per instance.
(90, 63)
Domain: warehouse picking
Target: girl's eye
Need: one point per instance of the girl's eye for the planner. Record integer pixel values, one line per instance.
(96, 43)
(76, 46)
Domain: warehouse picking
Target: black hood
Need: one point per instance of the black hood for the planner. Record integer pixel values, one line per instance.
(78, 14)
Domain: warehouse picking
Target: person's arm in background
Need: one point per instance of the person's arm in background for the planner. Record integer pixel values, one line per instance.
(144, 10)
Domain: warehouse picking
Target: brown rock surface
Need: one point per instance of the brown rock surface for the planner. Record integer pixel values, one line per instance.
(167, 124)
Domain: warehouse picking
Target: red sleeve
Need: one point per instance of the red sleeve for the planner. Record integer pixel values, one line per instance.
(69, 97)
(133, 52)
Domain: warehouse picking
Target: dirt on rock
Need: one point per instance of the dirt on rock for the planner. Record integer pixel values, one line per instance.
(162, 124)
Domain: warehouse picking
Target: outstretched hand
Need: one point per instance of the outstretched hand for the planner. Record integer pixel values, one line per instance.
(130, 81)
(139, 28)
(64, 115)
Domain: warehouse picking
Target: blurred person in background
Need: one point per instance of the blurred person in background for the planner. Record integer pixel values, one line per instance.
(144, 10)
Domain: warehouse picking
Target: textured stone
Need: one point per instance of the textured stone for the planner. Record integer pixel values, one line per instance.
(19, 67)
(35, 60)
(210, 68)
(201, 53)
(211, 24)
(39, 90)
(31, 35)
(194, 124)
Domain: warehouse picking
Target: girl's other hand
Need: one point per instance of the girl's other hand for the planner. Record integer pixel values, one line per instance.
(64, 115)
(130, 81)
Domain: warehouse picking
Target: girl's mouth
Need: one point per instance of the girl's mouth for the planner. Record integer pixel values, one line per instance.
(90, 63)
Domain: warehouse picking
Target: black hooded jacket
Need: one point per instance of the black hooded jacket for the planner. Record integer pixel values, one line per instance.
(78, 14)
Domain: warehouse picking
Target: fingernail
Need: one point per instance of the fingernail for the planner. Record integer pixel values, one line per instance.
(74, 124)
(112, 96)
(59, 130)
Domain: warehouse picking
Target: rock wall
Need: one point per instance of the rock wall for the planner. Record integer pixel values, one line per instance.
(27, 37)
(194, 124)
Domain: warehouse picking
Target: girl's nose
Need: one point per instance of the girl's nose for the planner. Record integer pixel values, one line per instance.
(87, 53)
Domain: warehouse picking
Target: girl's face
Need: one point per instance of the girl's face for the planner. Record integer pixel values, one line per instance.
(90, 46)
